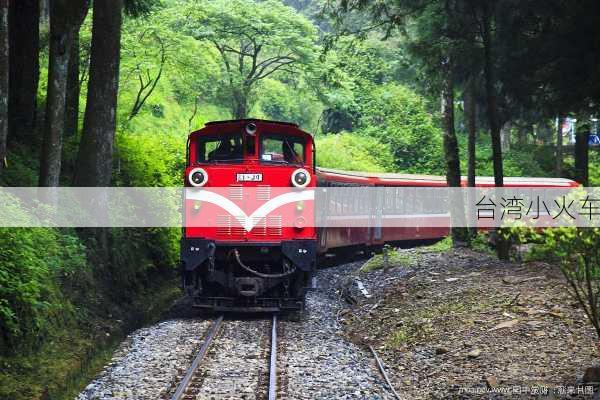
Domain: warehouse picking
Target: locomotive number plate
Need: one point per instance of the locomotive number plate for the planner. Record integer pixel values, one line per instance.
(249, 177)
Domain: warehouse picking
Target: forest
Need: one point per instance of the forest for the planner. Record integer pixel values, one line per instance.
(104, 93)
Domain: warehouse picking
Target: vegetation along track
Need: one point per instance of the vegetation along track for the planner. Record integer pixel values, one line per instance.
(237, 359)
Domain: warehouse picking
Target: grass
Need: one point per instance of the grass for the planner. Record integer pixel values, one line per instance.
(481, 244)
(399, 338)
(438, 247)
(395, 259)
(404, 260)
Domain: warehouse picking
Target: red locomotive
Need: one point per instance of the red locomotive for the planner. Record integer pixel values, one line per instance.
(235, 261)
(249, 242)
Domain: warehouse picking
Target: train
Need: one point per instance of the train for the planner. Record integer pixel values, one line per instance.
(266, 261)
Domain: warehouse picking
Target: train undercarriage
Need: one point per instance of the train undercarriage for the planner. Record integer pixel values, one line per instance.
(248, 277)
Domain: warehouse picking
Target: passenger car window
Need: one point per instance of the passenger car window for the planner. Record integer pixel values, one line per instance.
(220, 148)
(282, 149)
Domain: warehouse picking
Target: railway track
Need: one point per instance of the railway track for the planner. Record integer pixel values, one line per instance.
(207, 370)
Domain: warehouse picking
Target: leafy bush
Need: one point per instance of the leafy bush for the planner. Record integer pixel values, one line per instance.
(579, 252)
(594, 169)
(354, 153)
(32, 263)
(150, 160)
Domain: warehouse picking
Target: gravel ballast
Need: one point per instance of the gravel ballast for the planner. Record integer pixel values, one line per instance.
(315, 360)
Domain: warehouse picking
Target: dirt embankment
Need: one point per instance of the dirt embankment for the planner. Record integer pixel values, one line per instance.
(460, 324)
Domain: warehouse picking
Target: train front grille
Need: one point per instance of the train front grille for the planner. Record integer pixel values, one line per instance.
(228, 226)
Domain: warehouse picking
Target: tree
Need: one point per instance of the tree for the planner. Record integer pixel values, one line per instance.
(483, 13)
(73, 89)
(255, 39)
(95, 157)
(4, 72)
(471, 123)
(581, 151)
(559, 145)
(451, 154)
(398, 117)
(150, 51)
(65, 19)
(24, 69)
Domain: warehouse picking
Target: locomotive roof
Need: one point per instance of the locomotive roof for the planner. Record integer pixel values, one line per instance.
(229, 121)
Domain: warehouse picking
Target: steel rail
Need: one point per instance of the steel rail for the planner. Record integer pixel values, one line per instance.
(385, 375)
(183, 385)
(273, 361)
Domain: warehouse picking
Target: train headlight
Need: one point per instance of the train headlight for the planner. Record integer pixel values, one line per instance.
(198, 177)
(251, 129)
(300, 178)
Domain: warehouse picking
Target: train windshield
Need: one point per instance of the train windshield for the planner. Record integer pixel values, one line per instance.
(282, 149)
(220, 148)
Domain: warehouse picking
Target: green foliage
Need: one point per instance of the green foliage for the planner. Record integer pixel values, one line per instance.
(594, 168)
(138, 8)
(137, 255)
(274, 102)
(397, 116)
(32, 262)
(524, 160)
(481, 243)
(438, 247)
(353, 153)
(578, 250)
(22, 170)
(151, 49)
(148, 160)
(254, 39)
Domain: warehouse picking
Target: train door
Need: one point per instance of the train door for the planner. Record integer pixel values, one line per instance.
(322, 213)
(378, 213)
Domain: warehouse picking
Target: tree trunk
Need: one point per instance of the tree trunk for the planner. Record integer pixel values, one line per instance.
(95, 158)
(471, 124)
(240, 105)
(65, 19)
(505, 137)
(492, 102)
(502, 245)
(73, 89)
(451, 152)
(559, 145)
(4, 71)
(24, 66)
(581, 151)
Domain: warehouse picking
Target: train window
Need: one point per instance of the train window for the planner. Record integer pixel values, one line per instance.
(282, 148)
(220, 148)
